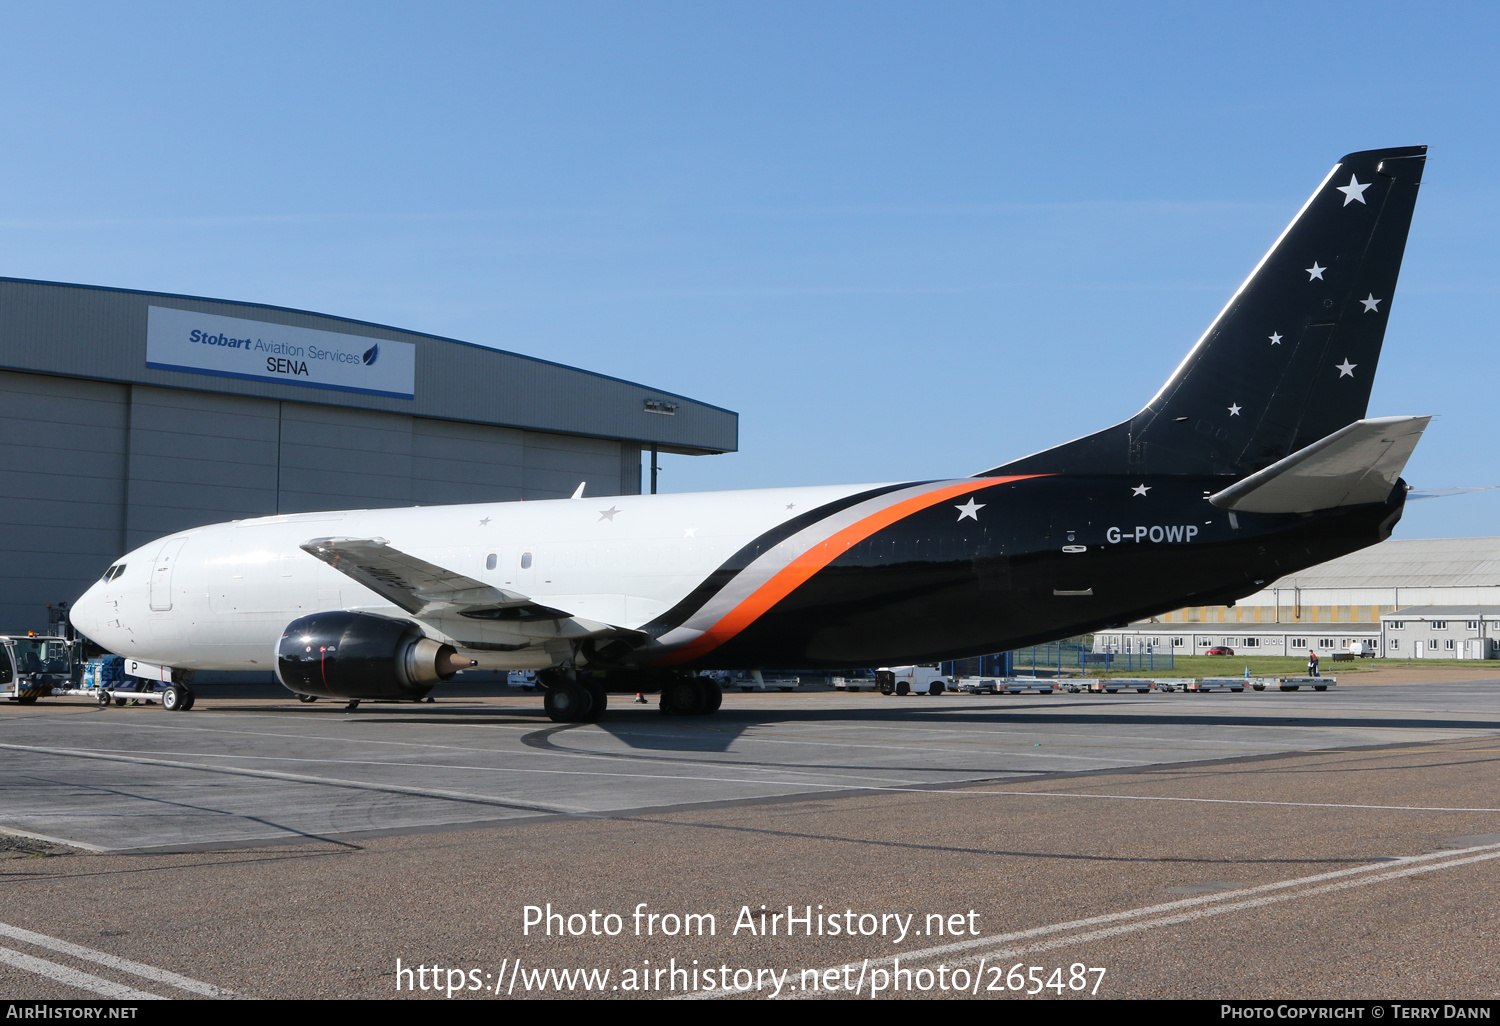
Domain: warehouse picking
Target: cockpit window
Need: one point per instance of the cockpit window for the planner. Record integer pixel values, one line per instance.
(113, 572)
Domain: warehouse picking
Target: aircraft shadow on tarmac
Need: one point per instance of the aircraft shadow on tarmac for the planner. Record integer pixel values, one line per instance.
(651, 736)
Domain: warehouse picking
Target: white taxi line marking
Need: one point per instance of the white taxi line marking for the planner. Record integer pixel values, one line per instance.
(74, 978)
(104, 958)
(1171, 913)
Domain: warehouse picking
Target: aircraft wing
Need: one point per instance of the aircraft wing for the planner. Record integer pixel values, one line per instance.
(419, 587)
(1358, 463)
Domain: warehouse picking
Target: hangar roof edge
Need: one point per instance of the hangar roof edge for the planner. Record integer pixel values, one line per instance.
(364, 323)
(101, 332)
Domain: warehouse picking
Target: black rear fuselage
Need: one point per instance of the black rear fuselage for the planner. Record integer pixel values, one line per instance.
(1043, 558)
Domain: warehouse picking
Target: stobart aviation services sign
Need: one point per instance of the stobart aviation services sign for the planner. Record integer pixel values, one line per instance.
(229, 347)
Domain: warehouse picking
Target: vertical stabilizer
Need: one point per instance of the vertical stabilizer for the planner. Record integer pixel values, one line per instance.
(1291, 358)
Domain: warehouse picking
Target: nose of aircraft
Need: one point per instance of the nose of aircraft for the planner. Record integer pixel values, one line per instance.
(85, 613)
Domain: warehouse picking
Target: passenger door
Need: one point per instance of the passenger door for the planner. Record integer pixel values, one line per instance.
(161, 574)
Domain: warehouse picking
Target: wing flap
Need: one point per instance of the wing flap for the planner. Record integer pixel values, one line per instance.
(1358, 463)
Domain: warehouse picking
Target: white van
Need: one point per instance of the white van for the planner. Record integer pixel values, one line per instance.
(923, 679)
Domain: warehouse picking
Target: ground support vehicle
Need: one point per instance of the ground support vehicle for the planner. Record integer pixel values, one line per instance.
(1294, 683)
(757, 680)
(925, 679)
(31, 667)
(1112, 685)
(1020, 685)
(1218, 684)
(852, 683)
(977, 686)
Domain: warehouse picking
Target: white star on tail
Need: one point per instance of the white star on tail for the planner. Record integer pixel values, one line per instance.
(1315, 271)
(970, 509)
(1234, 410)
(1346, 369)
(1140, 489)
(1276, 339)
(1371, 303)
(1354, 191)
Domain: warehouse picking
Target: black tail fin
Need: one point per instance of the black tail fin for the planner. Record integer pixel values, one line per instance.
(1292, 356)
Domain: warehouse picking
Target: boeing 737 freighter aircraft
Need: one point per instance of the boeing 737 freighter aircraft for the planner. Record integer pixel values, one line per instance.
(1254, 460)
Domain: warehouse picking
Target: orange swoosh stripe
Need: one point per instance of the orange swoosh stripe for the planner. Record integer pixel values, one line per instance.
(799, 570)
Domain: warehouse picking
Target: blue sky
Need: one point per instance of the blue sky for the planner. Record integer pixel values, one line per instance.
(901, 240)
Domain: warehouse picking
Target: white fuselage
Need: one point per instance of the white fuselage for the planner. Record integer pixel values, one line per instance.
(220, 597)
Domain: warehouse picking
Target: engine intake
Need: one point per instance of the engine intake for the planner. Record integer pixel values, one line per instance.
(360, 655)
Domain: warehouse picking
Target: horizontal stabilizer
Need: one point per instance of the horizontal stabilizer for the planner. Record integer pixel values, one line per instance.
(1356, 464)
(1443, 493)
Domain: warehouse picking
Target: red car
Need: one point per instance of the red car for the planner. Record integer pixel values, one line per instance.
(1220, 650)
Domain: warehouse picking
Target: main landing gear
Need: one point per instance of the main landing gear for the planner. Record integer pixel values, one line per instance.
(570, 700)
(691, 696)
(573, 699)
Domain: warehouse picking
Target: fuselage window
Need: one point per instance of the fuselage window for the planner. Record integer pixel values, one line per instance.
(490, 561)
(525, 561)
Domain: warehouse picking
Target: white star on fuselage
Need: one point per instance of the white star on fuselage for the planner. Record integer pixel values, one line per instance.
(1371, 303)
(1315, 271)
(690, 532)
(970, 509)
(1346, 369)
(1140, 489)
(1234, 409)
(485, 522)
(608, 514)
(1354, 191)
(1276, 338)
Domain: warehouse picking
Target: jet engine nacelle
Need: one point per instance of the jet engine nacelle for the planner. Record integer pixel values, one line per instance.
(359, 655)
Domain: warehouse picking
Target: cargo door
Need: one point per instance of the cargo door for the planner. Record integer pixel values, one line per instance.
(161, 574)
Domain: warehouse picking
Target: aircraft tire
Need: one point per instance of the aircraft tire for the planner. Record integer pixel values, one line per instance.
(599, 699)
(568, 701)
(192, 699)
(713, 695)
(307, 698)
(174, 698)
(682, 697)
